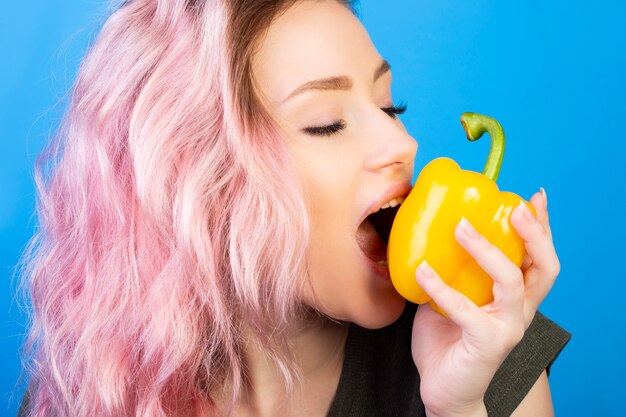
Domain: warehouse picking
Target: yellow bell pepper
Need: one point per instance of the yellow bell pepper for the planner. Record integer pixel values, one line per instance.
(423, 228)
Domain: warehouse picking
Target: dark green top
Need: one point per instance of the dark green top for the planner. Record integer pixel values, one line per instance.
(379, 377)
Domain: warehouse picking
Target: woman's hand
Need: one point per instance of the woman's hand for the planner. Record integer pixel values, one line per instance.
(457, 357)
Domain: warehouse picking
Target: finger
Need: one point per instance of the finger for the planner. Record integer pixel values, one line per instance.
(539, 246)
(545, 266)
(539, 201)
(537, 291)
(456, 305)
(508, 286)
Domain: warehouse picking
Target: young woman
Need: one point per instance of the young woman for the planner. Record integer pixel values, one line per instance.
(203, 250)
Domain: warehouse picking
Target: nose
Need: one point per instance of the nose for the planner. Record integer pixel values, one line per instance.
(391, 145)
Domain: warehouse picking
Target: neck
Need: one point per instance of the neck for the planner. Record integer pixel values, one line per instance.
(318, 345)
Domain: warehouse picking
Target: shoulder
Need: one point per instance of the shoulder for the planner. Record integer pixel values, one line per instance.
(380, 378)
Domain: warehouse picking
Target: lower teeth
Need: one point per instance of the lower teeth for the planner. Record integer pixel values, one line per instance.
(383, 262)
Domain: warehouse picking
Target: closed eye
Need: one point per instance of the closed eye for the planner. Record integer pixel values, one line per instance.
(340, 124)
(393, 110)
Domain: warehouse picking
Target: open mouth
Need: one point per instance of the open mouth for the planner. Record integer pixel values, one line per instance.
(373, 234)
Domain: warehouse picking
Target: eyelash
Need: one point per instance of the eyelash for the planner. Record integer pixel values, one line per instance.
(340, 125)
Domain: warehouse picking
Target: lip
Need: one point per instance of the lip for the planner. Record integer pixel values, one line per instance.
(400, 189)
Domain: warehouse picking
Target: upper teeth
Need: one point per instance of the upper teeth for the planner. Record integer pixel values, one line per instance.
(392, 203)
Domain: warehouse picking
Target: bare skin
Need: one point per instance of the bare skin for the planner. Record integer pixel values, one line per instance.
(343, 174)
(319, 344)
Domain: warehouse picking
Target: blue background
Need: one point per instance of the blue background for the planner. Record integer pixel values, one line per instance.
(553, 74)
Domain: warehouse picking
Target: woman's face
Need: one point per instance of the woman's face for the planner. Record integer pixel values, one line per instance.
(347, 174)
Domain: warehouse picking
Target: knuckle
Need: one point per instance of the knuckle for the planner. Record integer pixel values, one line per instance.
(556, 268)
(517, 277)
(466, 307)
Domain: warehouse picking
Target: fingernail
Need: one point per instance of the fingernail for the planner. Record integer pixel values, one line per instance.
(468, 229)
(545, 197)
(425, 270)
(525, 211)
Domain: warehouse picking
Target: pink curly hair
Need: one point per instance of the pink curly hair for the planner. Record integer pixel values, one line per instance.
(169, 214)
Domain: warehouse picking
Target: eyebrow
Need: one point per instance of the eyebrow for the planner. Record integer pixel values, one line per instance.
(342, 82)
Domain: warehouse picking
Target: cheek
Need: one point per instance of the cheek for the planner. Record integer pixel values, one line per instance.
(339, 282)
(341, 285)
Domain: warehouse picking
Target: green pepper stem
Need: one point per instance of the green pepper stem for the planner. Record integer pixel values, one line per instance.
(477, 124)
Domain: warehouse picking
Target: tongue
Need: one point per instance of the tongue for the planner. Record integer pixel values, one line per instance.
(370, 242)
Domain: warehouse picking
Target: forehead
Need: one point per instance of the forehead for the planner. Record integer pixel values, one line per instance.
(311, 40)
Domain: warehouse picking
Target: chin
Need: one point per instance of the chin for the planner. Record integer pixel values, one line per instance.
(386, 309)
(347, 288)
